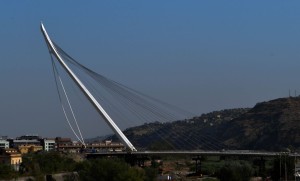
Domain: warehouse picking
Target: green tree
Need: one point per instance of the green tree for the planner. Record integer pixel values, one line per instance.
(236, 171)
(113, 170)
(150, 173)
(46, 163)
(7, 172)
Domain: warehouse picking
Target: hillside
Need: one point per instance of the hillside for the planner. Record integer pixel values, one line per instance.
(196, 133)
(272, 125)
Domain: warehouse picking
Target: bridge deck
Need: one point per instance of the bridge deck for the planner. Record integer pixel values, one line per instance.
(200, 153)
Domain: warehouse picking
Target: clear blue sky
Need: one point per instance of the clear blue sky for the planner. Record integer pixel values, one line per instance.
(199, 55)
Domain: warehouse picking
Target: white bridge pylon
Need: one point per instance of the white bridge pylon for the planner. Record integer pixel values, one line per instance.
(87, 93)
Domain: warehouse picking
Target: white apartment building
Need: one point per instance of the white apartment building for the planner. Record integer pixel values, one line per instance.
(4, 144)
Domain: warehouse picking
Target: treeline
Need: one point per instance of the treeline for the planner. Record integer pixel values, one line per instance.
(42, 164)
(243, 170)
(39, 165)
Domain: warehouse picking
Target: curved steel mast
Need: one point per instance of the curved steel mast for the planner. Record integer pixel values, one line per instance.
(87, 93)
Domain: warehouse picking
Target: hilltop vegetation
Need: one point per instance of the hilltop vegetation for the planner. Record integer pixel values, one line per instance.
(272, 125)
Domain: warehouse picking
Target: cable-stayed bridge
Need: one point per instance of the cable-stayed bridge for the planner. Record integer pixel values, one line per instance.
(114, 101)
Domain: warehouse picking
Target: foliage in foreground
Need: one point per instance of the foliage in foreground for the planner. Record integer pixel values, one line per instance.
(6, 172)
(236, 171)
(41, 164)
(46, 163)
(104, 169)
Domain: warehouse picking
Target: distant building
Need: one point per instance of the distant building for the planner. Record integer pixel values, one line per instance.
(48, 144)
(67, 145)
(11, 156)
(28, 137)
(107, 145)
(4, 144)
(60, 140)
(64, 144)
(25, 140)
(31, 143)
(24, 149)
(17, 143)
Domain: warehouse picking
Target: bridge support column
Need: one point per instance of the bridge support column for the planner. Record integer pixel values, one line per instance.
(138, 160)
(198, 164)
(262, 165)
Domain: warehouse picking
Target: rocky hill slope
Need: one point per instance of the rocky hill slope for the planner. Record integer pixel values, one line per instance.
(272, 125)
(190, 134)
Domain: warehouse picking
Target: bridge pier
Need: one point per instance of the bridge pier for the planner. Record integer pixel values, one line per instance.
(138, 160)
(262, 165)
(132, 159)
(198, 164)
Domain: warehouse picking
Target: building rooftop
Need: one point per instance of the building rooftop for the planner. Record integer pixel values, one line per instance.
(28, 137)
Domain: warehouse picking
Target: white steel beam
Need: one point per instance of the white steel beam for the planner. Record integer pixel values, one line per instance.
(87, 93)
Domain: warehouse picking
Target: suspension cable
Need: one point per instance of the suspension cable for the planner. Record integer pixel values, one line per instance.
(57, 76)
